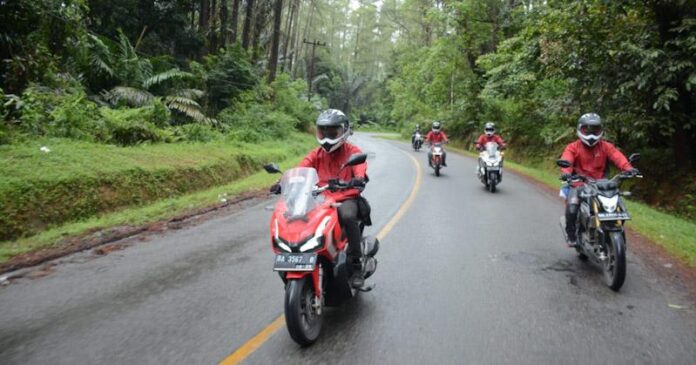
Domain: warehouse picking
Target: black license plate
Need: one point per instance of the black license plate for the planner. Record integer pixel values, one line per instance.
(295, 262)
(616, 216)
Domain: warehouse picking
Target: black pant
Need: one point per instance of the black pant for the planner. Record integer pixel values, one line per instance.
(571, 213)
(348, 217)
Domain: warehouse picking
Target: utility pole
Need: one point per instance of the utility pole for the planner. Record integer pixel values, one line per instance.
(314, 44)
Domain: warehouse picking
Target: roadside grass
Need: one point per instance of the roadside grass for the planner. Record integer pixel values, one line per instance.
(136, 216)
(675, 234)
(78, 180)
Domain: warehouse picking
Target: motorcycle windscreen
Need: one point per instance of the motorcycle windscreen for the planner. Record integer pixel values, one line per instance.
(492, 149)
(297, 185)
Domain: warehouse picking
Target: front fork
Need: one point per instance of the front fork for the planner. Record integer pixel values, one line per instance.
(317, 282)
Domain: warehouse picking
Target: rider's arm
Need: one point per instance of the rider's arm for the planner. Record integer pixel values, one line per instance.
(444, 137)
(569, 155)
(499, 141)
(480, 142)
(310, 160)
(617, 158)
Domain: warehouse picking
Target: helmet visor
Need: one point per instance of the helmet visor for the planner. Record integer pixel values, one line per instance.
(594, 130)
(331, 132)
(490, 130)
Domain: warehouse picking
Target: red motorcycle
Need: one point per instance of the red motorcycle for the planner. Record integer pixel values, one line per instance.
(311, 249)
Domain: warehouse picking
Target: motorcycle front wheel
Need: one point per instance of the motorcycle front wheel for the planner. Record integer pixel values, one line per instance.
(301, 316)
(493, 183)
(615, 264)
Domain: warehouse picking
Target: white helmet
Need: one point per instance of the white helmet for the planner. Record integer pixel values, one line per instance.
(489, 129)
(590, 129)
(333, 129)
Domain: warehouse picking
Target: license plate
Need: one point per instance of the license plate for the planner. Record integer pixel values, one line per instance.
(295, 262)
(616, 216)
(493, 168)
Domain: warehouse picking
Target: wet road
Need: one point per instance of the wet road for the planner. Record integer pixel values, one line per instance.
(465, 276)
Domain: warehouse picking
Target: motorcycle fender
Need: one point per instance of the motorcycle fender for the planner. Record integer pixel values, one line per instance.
(341, 284)
(297, 275)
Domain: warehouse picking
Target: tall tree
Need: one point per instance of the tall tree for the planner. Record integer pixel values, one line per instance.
(248, 17)
(273, 60)
(224, 32)
(234, 21)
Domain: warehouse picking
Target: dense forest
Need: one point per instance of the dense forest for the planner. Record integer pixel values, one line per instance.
(163, 71)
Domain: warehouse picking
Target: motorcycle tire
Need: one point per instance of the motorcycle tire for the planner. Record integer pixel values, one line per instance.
(614, 266)
(492, 185)
(304, 324)
(437, 170)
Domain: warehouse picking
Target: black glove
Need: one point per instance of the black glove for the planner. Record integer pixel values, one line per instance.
(566, 177)
(275, 189)
(633, 172)
(357, 182)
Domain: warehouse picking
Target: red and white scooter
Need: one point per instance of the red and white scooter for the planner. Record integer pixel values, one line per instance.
(311, 249)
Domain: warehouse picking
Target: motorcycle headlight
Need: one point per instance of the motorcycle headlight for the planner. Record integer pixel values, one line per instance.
(282, 245)
(609, 204)
(318, 238)
(312, 243)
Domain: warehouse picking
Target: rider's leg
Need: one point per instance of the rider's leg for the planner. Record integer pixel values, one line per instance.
(444, 158)
(348, 217)
(430, 158)
(571, 213)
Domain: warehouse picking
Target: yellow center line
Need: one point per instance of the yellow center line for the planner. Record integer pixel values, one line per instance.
(257, 341)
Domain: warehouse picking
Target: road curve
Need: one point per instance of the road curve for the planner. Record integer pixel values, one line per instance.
(465, 276)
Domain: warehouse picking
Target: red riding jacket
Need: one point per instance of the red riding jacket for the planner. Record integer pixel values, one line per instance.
(436, 138)
(592, 161)
(483, 139)
(328, 166)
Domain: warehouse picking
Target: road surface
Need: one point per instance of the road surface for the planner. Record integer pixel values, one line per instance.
(464, 276)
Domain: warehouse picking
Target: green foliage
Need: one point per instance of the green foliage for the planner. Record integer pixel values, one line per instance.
(195, 132)
(226, 76)
(131, 126)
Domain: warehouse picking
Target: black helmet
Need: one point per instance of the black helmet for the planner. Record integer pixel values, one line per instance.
(489, 129)
(333, 128)
(436, 127)
(590, 129)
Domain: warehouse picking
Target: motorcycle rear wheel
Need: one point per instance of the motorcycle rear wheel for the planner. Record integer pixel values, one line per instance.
(615, 265)
(301, 318)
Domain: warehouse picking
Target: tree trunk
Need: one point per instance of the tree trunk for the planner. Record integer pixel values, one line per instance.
(273, 60)
(259, 22)
(288, 32)
(223, 23)
(213, 36)
(248, 17)
(234, 23)
(203, 14)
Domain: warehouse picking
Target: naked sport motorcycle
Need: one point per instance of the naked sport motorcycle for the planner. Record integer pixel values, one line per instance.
(490, 166)
(600, 223)
(311, 249)
(417, 142)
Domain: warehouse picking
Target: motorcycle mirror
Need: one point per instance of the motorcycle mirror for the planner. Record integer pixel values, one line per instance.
(563, 163)
(272, 168)
(356, 159)
(634, 157)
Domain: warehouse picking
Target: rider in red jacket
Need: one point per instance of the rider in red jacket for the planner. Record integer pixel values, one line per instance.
(333, 129)
(436, 135)
(489, 136)
(588, 156)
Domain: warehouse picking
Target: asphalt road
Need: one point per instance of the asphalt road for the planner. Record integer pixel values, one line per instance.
(465, 276)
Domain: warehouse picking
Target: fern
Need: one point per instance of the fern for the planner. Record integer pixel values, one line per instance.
(164, 76)
(131, 95)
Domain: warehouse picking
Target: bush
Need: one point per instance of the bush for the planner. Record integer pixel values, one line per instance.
(131, 126)
(257, 123)
(60, 113)
(286, 96)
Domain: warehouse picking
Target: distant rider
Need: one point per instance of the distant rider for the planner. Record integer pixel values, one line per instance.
(333, 130)
(489, 136)
(417, 131)
(436, 135)
(588, 156)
